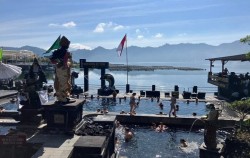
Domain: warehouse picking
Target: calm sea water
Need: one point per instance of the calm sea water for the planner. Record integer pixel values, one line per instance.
(164, 80)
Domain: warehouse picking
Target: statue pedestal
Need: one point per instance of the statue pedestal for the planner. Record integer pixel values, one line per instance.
(65, 116)
(211, 153)
(31, 116)
(91, 147)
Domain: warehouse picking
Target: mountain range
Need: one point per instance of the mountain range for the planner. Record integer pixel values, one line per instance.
(165, 53)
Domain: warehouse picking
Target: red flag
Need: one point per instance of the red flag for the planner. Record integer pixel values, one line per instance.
(121, 45)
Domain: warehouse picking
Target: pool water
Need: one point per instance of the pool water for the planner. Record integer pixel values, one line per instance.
(148, 143)
(146, 106)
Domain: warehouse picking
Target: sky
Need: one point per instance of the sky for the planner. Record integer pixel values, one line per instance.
(92, 23)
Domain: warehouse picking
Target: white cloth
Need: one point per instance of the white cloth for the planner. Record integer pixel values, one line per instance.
(43, 95)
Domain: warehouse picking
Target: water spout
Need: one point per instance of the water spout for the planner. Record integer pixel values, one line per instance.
(194, 123)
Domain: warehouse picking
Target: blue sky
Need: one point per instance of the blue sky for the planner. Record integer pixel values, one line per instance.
(92, 23)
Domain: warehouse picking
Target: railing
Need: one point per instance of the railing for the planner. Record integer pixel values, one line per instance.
(135, 88)
(216, 79)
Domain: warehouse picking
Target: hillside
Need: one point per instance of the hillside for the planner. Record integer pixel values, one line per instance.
(166, 53)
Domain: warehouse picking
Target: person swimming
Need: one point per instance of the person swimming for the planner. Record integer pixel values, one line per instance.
(161, 127)
(128, 135)
(183, 143)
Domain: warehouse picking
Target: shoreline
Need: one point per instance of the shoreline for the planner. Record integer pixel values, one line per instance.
(122, 67)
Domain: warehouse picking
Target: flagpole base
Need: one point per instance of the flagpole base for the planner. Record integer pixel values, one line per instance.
(127, 88)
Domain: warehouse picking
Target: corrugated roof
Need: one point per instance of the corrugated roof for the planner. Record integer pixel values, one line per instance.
(240, 57)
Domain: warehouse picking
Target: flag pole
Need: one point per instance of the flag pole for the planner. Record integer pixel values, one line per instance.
(127, 56)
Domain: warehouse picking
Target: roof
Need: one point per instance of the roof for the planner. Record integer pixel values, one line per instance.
(240, 57)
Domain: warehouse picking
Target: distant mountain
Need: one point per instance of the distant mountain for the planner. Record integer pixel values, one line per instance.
(36, 50)
(165, 53)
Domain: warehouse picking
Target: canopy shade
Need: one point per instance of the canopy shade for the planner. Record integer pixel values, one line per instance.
(8, 71)
(240, 57)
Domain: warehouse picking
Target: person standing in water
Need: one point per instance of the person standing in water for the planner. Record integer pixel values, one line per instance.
(172, 108)
(132, 104)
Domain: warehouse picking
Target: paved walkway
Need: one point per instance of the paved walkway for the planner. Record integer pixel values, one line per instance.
(54, 145)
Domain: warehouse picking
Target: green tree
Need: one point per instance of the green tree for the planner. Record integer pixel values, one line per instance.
(246, 40)
(242, 107)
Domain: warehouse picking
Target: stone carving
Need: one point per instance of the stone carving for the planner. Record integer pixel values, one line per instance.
(63, 61)
(210, 129)
(34, 82)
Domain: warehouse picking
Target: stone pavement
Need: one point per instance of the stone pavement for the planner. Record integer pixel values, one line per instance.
(54, 145)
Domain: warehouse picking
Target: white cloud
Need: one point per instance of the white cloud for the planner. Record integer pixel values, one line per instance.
(137, 31)
(53, 25)
(69, 24)
(158, 35)
(119, 27)
(140, 37)
(101, 27)
(76, 46)
(65, 25)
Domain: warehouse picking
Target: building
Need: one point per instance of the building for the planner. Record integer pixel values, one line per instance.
(233, 85)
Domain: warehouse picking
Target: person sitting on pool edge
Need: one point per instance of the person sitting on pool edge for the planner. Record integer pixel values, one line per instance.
(128, 135)
(183, 143)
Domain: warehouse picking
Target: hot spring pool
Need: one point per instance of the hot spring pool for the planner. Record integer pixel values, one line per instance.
(148, 143)
(146, 106)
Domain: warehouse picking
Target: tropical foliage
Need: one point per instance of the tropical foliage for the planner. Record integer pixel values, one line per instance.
(246, 40)
(242, 107)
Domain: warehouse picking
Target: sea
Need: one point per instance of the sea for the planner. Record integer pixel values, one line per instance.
(164, 80)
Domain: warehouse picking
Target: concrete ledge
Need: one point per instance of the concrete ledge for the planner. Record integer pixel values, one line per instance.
(170, 121)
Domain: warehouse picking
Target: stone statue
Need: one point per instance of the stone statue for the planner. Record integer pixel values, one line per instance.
(34, 82)
(63, 61)
(210, 129)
